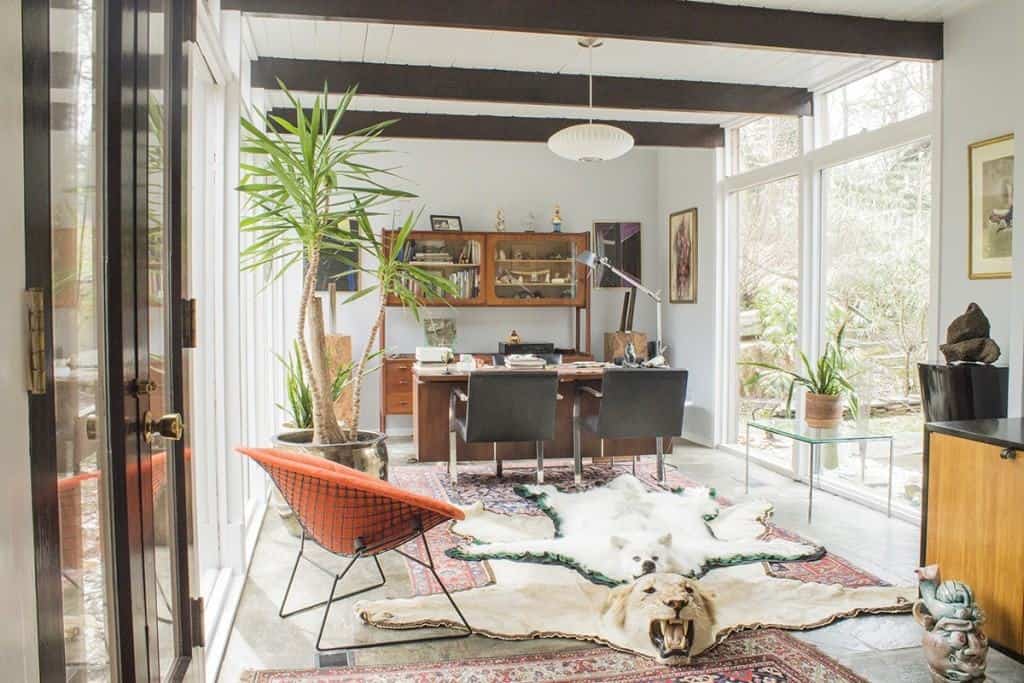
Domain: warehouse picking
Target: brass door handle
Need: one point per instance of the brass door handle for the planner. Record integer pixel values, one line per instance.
(170, 426)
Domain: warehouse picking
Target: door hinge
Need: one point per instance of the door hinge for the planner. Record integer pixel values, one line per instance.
(36, 310)
(196, 608)
(188, 323)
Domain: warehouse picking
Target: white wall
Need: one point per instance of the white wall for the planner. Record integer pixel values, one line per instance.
(18, 641)
(981, 99)
(686, 179)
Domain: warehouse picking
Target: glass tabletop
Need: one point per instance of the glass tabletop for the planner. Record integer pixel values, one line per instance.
(798, 430)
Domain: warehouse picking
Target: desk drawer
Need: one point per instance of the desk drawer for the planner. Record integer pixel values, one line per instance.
(398, 387)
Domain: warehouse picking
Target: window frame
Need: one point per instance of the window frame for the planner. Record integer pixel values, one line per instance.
(817, 156)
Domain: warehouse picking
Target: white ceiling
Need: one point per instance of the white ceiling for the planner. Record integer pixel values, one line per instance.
(308, 38)
(431, 46)
(909, 10)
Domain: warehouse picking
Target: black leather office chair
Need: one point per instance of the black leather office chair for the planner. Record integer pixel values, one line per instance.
(635, 402)
(504, 406)
(498, 359)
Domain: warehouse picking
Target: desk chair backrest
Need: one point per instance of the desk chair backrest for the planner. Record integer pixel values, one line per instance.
(511, 405)
(641, 402)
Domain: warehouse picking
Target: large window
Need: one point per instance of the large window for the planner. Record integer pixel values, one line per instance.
(763, 142)
(856, 252)
(877, 224)
(897, 93)
(768, 224)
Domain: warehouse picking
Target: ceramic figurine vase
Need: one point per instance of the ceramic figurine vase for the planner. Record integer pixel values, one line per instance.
(954, 645)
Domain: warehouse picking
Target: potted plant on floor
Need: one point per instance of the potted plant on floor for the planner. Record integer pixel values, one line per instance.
(307, 183)
(825, 381)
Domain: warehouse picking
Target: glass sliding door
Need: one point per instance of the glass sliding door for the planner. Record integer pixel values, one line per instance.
(103, 93)
(767, 315)
(79, 370)
(877, 246)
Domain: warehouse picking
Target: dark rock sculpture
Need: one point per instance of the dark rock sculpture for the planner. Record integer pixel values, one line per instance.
(967, 338)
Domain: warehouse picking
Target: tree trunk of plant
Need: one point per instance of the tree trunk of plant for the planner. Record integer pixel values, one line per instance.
(325, 425)
(357, 382)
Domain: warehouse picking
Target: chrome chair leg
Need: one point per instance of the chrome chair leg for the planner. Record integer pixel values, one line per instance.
(577, 452)
(540, 462)
(660, 448)
(633, 458)
(497, 462)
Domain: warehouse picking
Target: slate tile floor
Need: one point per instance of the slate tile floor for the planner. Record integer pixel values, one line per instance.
(879, 648)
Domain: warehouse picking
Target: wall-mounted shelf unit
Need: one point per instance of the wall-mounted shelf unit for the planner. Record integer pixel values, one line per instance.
(503, 268)
(492, 269)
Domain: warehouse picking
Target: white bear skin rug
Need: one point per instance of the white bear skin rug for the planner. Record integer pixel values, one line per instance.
(667, 617)
(616, 533)
(616, 565)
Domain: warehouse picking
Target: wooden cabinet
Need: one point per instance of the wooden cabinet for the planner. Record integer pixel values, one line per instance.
(972, 527)
(457, 257)
(502, 268)
(398, 382)
(530, 269)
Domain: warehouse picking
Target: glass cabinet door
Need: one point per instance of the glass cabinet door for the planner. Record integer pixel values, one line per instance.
(534, 270)
(455, 258)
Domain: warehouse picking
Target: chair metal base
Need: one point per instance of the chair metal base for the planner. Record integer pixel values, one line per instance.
(332, 598)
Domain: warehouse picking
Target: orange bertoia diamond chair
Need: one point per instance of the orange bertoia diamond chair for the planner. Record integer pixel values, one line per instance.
(354, 515)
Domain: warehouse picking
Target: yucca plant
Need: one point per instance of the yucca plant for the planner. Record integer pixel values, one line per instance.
(307, 182)
(826, 377)
(298, 398)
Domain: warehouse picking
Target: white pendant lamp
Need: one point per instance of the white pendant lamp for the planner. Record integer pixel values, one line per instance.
(590, 141)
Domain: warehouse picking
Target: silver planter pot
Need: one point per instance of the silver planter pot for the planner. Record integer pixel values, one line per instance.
(368, 454)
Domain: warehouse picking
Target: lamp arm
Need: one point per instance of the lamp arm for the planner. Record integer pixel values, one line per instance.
(603, 261)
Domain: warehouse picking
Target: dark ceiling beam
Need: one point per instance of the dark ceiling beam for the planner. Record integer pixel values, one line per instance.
(522, 87)
(670, 21)
(518, 128)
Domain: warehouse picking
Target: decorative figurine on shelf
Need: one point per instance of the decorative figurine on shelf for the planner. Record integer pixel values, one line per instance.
(514, 338)
(556, 220)
(954, 645)
(530, 223)
(499, 222)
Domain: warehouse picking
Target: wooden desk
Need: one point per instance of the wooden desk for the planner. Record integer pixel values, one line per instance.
(431, 430)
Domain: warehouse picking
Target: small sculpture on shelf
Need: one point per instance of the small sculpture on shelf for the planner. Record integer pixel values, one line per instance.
(954, 645)
(514, 338)
(556, 220)
(530, 223)
(499, 222)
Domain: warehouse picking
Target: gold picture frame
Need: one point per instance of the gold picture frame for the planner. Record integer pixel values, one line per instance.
(990, 208)
(682, 256)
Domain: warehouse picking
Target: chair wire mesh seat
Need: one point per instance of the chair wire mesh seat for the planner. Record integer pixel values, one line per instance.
(353, 515)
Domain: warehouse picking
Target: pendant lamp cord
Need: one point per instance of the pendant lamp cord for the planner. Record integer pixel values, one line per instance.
(590, 83)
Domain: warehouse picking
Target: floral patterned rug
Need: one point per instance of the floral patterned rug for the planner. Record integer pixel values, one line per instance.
(766, 656)
(477, 482)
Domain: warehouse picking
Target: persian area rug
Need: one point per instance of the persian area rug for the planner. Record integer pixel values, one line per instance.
(767, 656)
(478, 483)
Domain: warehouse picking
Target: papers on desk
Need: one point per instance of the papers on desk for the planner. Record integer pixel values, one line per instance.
(521, 361)
(584, 364)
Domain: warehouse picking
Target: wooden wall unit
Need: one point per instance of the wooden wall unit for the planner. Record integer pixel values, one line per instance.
(510, 252)
(971, 526)
(491, 254)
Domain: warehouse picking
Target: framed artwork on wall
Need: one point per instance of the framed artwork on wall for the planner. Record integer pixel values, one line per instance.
(619, 242)
(682, 257)
(336, 266)
(990, 240)
(446, 223)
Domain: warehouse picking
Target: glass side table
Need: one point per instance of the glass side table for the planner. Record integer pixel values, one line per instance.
(815, 438)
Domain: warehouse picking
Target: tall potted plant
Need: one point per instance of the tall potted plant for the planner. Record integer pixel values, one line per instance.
(825, 381)
(307, 183)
